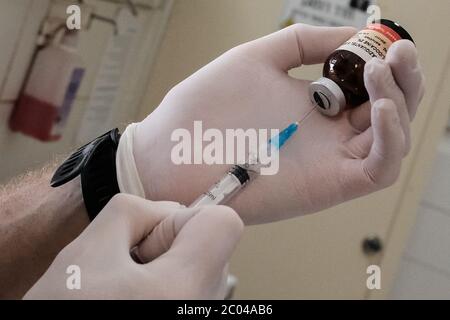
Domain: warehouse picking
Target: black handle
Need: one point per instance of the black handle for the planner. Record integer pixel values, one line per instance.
(372, 245)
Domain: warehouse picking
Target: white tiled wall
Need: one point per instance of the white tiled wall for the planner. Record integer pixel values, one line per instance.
(417, 280)
(425, 268)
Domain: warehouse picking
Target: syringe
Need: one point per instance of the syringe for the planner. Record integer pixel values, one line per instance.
(240, 175)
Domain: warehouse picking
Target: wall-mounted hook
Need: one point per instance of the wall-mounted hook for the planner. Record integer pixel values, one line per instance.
(95, 16)
(130, 4)
(112, 22)
(46, 36)
(132, 7)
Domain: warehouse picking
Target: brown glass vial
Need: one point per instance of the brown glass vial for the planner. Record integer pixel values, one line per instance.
(342, 85)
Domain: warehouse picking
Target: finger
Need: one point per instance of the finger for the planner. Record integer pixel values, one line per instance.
(359, 117)
(359, 146)
(299, 44)
(206, 242)
(402, 57)
(404, 62)
(380, 84)
(382, 166)
(128, 219)
(161, 238)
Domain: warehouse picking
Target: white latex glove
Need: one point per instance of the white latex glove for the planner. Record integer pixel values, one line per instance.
(193, 266)
(328, 162)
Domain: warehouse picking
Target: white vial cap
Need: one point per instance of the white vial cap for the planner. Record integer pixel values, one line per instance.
(328, 98)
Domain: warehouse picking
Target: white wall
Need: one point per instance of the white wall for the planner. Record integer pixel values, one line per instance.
(425, 267)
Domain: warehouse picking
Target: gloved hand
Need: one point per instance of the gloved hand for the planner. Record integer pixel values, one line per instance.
(328, 162)
(193, 266)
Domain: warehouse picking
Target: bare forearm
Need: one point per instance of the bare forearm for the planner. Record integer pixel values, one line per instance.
(36, 222)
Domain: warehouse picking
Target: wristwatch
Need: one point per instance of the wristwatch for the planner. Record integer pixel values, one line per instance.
(96, 164)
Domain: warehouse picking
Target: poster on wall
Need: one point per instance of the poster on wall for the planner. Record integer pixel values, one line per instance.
(333, 13)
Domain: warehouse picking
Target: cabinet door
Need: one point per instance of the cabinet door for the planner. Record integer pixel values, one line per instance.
(17, 19)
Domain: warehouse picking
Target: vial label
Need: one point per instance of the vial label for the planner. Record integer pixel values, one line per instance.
(372, 42)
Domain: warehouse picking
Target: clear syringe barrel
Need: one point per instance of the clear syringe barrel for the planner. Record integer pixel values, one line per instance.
(225, 189)
(238, 176)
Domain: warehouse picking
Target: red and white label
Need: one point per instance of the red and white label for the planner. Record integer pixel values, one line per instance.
(372, 42)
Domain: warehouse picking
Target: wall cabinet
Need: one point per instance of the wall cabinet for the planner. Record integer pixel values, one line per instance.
(20, 22)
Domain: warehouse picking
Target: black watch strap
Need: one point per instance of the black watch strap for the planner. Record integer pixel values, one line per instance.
(96, 163)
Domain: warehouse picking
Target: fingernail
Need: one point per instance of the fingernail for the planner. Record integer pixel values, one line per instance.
(134, 253)
(405, 53)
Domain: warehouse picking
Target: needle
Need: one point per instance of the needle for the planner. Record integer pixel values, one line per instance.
(310, 112)
(287, 133)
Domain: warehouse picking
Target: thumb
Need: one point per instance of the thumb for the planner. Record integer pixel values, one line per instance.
(163, 235)
(205, 243)
(384, 160)
(299, 44)
(126, 220)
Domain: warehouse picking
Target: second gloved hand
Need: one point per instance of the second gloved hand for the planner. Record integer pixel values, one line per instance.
(192, 264)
